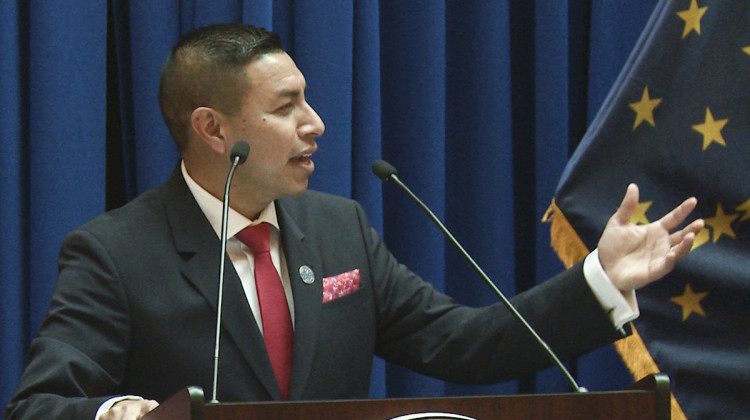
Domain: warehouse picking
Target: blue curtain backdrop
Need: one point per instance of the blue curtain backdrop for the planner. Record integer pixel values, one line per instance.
(477, 103)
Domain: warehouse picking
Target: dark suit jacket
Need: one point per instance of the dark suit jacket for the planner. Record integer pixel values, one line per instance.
(134, 312)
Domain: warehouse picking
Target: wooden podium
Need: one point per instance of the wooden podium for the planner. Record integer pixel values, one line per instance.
(648, 399)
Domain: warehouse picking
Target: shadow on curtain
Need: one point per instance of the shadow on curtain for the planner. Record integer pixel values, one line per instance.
(478, 105)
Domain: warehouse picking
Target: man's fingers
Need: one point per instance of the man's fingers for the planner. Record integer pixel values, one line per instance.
(694, 227)
(628, 205)
(129, 409)
(682, 242)
(683, 248)
(675, 217)
(151, 404)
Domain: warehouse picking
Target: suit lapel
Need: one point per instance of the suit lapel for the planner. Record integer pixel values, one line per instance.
(194, 235)
(307, 297)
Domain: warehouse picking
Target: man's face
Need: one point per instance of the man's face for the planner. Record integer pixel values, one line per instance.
(280, 127)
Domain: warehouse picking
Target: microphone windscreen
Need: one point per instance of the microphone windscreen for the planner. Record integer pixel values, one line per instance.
(383, 170)
(240, 150)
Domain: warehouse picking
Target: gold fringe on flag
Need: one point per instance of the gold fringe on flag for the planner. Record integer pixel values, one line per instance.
(571, 249)
(634, 353)
(564, 239)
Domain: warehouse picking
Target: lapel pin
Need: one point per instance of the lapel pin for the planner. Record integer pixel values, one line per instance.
(306, 274)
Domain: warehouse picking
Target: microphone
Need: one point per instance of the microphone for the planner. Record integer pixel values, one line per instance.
(387, 173)
(239, 153)
(238, 156)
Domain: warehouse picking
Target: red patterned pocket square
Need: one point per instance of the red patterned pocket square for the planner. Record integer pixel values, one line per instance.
(340, 285)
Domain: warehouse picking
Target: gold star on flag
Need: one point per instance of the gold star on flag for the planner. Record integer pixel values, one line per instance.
(644, 109)
(721, 223)
(701, 238)
(711, 130)
(746, 208)
(692, 18)
(746, 50)
(690, 302)
(639, 216)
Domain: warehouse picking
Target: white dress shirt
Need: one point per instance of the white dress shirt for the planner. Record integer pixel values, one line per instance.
(239, 254)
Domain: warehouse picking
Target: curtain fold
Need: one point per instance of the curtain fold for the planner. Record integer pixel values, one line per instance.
(477, 104)
(14, 222)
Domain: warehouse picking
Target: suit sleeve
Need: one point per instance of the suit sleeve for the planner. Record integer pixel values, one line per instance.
(79, 356)
(427, 331)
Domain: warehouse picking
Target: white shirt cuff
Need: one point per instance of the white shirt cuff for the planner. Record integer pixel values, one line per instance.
(112, 401)
(622, 307)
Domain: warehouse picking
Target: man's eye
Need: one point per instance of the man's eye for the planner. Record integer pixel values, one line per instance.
(285, 108)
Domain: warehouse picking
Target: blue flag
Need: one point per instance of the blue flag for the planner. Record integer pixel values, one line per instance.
(677, 123)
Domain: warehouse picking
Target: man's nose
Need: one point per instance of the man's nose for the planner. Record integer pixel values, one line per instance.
(313, 126)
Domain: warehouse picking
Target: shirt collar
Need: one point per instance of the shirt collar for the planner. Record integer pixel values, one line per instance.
(212, 207)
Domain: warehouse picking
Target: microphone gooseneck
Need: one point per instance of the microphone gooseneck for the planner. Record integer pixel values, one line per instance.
(238, 156)
(386, 172)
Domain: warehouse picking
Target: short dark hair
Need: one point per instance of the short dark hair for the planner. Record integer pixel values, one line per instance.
(204, 69)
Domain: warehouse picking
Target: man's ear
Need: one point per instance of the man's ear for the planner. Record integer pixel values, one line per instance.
(207, 125)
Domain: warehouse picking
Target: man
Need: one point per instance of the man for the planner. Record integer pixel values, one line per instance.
(134, 308)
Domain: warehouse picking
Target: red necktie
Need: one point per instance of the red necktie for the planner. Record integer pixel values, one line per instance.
(274, 309)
